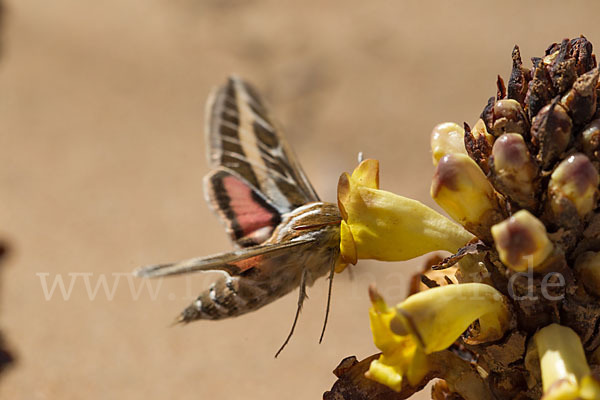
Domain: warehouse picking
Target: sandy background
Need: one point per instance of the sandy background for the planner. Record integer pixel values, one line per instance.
(101, 115)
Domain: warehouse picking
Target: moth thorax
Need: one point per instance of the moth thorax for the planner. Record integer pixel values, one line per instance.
(310, 218)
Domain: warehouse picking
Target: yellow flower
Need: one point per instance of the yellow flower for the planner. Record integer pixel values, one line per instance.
(565, 372)
(428, 322)
(384, 226)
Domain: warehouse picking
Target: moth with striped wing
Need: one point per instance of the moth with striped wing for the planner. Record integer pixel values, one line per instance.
(285, 236)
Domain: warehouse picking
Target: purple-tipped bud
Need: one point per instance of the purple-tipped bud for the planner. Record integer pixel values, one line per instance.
(514, 171)
(573, 185)
(505, 116)
(522, 241)
(591, 140)
(462, 190)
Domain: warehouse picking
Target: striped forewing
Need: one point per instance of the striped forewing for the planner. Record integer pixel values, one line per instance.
(256, 177)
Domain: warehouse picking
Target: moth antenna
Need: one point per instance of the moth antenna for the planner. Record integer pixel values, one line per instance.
(360, 157)
(331, 273)
(301, 297)
(177, 321)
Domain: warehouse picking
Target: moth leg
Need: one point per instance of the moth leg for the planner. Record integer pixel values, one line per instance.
(301, 297)
(331, 273)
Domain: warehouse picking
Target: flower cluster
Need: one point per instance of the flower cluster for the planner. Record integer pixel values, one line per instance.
(522, 186)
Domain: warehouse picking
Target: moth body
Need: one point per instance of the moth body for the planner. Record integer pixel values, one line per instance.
(268, 278)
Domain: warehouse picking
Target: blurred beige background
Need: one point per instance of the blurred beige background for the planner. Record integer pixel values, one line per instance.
(101, 115)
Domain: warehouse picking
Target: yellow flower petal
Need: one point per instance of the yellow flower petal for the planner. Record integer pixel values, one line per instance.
(438, 316)
(402, 357)
(429, 322)
(347, 245)
(367, 174)
(388, 227)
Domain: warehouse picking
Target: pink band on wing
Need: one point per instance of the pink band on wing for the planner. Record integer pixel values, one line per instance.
(249, 213)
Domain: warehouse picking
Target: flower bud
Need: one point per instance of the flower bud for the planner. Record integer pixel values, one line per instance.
(447, 138)
(581, 99)
(505, 116)
(522, 241)
(462, 190)
(551, 131)
(478, 143)
(573, 183)
(581, 50)
(539, 91)
(514, 171)
(564, 369)
(587, 268)
(591, 140)
(561, 66)
(519, 77)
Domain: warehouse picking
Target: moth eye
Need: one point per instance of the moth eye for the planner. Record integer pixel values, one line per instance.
(212, 292)
(229, 283)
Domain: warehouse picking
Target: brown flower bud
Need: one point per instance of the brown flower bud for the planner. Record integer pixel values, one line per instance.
(574, 183)
(478, 143)
(580, 101)
(513, 170)
(581, 51)
(587, 268)
(540, 89)
(522, 241)
(519, 77)
(591, 140)
(462, 190)
(551, 132)
(500, 88)
(562, 67)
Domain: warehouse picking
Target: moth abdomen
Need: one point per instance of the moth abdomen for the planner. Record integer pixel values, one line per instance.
(225, 298)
